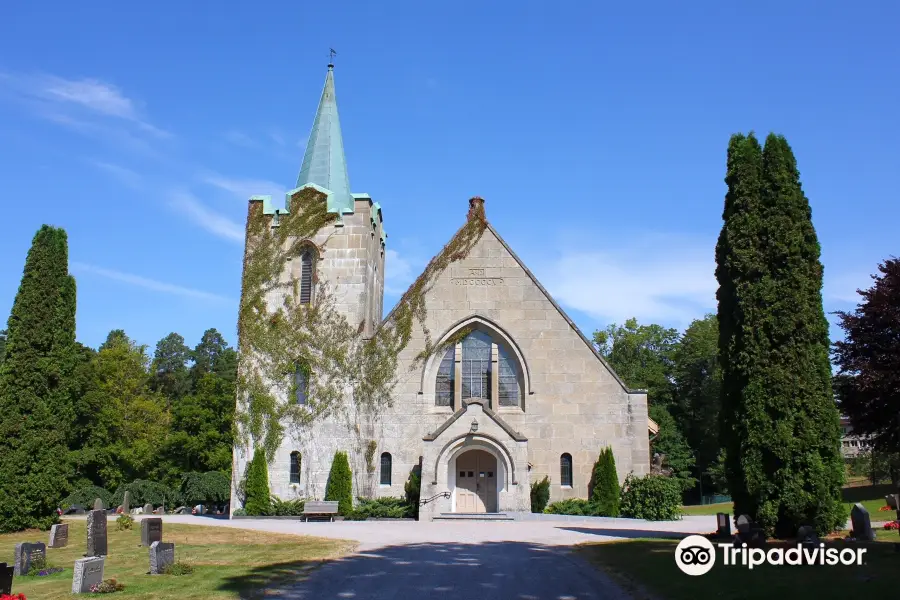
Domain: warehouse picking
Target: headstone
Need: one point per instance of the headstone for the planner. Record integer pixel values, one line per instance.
(126, 503)
(59, 536)
(160, 511)
(98, 504)
(96, 533)
(891, 500)
(6, 577)
(723, 523)
(88, 572)
(743, 524)
(182, 510)
(807, 535)
(148, 509)
(151, 531)
(862, 525)
(26, 552)
(199, 510)
(162, 555)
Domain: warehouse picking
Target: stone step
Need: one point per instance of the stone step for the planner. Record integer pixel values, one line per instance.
(473, 517)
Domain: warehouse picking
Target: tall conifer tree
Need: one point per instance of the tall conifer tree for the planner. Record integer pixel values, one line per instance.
(779, 420)
(36, 404)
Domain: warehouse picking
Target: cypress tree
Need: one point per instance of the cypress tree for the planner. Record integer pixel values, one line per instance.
(36, 403)
(340, 483)
(258, 499)
(604, 485)
(779, 422)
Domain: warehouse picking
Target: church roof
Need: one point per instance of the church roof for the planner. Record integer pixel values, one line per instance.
(324, 163)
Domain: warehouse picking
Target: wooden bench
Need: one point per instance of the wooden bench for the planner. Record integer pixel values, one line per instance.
(328, 509)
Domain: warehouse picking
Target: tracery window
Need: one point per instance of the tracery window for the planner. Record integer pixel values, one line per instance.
(486, 369)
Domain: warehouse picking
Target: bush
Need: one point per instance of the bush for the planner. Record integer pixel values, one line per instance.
(572, 506)
(144, 492)
(603, 488)
(413, 489)
(240, 512)
(382, 508)
(259, 498)
(540, 495)
(212, 487)
(286, 508)
(340, 484)
(651, 497)
(85, 497)
(124, 521)
(178, 568)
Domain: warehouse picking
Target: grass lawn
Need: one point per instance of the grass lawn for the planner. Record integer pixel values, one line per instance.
(228, 563)
(871, 496)
(645, 566)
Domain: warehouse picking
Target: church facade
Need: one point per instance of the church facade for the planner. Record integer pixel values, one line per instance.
(522, 396)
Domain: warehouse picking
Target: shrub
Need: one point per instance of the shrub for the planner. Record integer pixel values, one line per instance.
(286, 508)
(340, 484)
(651, 497)
(40, 568)
(144, 492)
(258, 501)
(413, 488)
(240, 512)
(178, 568)
(540, 495)
(124, 521)
(211, 487)
(107, 586)
(572, 506)
(85, 497)
(381, 508)
(603, 488)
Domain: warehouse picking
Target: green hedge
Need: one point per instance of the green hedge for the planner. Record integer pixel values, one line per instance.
(651, 497)
(573, 506)
(540, 495)
(287, 508)
(85, 496)
(382, 508)
(205, 488)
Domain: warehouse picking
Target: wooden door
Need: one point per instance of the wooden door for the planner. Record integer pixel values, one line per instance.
(476, 482)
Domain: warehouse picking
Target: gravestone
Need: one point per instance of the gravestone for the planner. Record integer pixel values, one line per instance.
(148, 509)
(891, 501)
(160, 511)
(96, 533)
(88, 572)
(151, 531)
(26, 552)
(807, 535)
(162, 555)
(59, 536)
(862, 525)
(126, 503)
(98, 504)
(723, 523)
(6, 577)
(743, 524)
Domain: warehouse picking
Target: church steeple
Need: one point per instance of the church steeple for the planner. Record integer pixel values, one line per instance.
(324, 163)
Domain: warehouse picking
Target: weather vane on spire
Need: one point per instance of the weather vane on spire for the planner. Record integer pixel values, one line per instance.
(331, 54)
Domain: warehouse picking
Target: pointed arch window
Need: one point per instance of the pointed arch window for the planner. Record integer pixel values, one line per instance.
(295, 467)
(565, 469)
(301, 383)
(446, 379)
(387, 465)
(480, 366)
(307, 279)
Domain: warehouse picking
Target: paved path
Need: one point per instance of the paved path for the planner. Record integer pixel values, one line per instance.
(523, 560)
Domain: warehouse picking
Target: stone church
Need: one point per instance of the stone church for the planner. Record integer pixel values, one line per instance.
(525, 394)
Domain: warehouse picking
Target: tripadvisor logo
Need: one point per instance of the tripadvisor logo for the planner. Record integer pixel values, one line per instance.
(696, 555)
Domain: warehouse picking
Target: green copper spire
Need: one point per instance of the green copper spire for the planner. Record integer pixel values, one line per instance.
(324, 163)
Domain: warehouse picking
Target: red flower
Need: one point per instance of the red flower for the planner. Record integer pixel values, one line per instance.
(885, 508)
(12, 597)
(892, 525)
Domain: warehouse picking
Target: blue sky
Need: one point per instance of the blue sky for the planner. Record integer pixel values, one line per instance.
(596, 132)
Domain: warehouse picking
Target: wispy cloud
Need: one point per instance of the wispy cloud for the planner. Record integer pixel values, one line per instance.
(146, 283)
(244, 188)
(125, 175)
(87, 104)
(190, 207)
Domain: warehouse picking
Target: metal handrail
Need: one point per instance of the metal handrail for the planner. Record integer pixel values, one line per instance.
(435, 497)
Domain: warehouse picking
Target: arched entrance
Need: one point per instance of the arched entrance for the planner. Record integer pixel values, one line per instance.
(476, 482)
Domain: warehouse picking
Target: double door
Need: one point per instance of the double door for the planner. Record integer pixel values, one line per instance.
(476, 482)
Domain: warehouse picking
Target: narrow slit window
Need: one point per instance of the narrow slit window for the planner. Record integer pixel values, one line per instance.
(307, 264)
(301, 384)
(295, 467)
(387, 464)
(565, 470)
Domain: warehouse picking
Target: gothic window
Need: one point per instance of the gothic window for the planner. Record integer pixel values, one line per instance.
(386, 466)
(301, 383)
(307, 266)
(295, 467)
(565, 469)
(443, 392)
(476, 366)
(508, 379)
